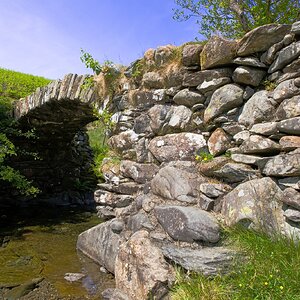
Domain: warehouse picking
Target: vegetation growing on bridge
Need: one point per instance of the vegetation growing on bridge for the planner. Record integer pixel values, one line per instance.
(13, 86)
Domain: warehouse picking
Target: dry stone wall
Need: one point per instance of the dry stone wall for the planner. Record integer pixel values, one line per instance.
(235, 101)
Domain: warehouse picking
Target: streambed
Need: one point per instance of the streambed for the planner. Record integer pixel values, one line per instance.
(39, 243)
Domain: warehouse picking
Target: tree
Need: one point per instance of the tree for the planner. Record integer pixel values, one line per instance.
(233, 18)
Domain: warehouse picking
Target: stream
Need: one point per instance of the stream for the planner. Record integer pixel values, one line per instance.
(39, 245)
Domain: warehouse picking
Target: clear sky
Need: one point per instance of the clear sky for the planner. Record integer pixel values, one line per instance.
(44, 37)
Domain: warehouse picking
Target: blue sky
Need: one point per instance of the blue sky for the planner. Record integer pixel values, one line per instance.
(44, 37)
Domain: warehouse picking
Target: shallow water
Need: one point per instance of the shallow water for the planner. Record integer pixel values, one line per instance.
(41, 242)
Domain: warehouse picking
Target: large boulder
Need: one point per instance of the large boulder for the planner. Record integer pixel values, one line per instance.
(259, 108)
(180, 146)
(141, 270)
(177, 184)
(223, 99)
(101, 244)
(261, 38)
(188, 224)
(217, 52)
(256, 204)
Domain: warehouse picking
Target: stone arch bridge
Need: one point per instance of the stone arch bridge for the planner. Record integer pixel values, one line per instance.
(58, 113)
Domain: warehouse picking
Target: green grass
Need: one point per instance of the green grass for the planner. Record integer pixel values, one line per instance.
(13, 86)
(270, 272)
(98, 144)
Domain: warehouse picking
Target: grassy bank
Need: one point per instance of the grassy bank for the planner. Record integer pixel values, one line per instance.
(270, 272)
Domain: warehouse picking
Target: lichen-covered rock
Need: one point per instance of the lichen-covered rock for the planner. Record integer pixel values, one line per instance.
(248, 75)
(188, 224)
(163, 54)
(145, 99)
(285, 56)
(257, 144)
(152, 80)
(249, 61)
(212, 85)
(191, 55)
(101, 244)
(196, 78)
(288, 108)
(123, 141)
(188, 98)
(177, 184)
(141, 270)
(255, 204)
(286, 89)
(282, 165)
(259, 108)
(207, 261)
(233, 173)
(291, 197)
(288, 143)
(217, 52)
(140, 173)
(180, 146)
(267, 128)
(219, 142)
(214, 190)
(223, 99)
(290, 126)
(261, 38)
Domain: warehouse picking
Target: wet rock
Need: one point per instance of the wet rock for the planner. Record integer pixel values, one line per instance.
(188, 224)
(282, 165)
(114, 294)
(217, 52)
(248, 75)
(261, 38)
(257, 144)
(195, 79)
(256, 204)
(285, 56)
(291, 197)
(267, 128)
(288, 143)
(212, 85)
(177, 184)
(141, 270)
(72, 277)
(181, 146)
(214, 190)
(188, 98)
(290, 126)
(191, 55)
(219, 142)
(140, 173)
(223, 99)
(207, 261)
(233, 173)
(289, 108)
(286, 89)
(259, 108)
(101, 244)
